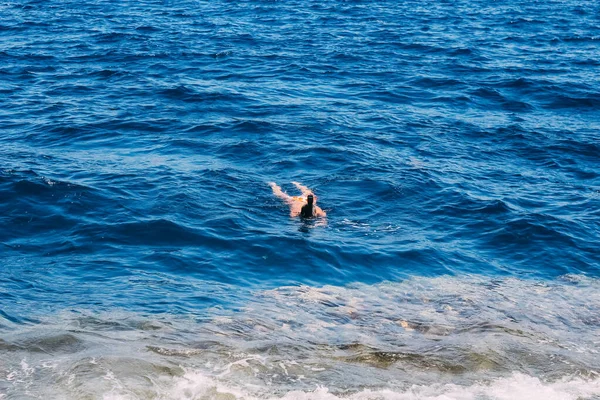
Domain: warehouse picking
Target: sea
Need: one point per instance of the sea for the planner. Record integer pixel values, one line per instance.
(453, 144)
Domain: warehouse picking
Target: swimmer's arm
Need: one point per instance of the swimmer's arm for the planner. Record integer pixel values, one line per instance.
(319, 212)
(277, 192)
(305, 191)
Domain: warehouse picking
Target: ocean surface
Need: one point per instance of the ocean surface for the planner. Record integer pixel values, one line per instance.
(454, 144)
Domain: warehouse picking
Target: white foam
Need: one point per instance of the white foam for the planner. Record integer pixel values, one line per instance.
(195, 385)
(21, 374)
(464, 331)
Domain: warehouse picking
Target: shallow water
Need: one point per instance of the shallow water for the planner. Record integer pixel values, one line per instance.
(454, 146)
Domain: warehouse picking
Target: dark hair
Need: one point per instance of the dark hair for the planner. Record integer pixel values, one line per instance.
(309, 198)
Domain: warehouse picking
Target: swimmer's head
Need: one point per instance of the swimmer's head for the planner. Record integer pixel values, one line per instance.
(310, 199)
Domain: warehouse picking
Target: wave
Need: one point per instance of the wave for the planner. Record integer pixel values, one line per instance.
(189, 95)
(518, 386)
(591, 101)
(475, 337)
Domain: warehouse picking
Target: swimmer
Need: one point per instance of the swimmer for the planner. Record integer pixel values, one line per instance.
(304, 206)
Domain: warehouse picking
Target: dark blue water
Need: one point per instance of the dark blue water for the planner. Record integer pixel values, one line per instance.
(453, 144)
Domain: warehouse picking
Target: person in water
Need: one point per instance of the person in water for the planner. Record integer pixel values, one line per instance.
(304, 206)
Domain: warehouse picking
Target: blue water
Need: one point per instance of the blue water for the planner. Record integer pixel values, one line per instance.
(453, 144)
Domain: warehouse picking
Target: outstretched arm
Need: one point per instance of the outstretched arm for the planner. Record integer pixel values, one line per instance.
(277, 192)
(305, 191)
